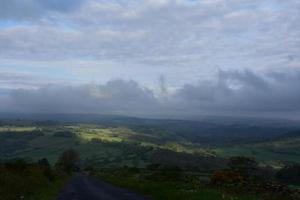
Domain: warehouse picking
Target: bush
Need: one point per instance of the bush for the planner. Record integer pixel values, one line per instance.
(68, 161)
(167, 173)
(64, 134)
(245, 167)
(241, 170)
(289, 175)
(227, 178)
(44, 162)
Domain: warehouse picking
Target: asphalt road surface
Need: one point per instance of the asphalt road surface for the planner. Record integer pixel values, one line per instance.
(86, 188)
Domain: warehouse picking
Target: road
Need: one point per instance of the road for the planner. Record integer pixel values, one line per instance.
(86, 188)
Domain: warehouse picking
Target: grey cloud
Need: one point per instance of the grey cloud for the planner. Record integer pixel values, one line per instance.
(245, 91)
(182, 39)
(113, 97)
(229, 95)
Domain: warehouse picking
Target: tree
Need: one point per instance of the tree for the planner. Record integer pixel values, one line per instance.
(246, 167)
(46, 168)
(68, 161)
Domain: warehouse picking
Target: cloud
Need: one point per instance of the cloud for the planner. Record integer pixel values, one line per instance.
(243, 53)
(13, 80)
(117, 96)
(199, 34)
(244, 91)
(232, 93)
(32, 9)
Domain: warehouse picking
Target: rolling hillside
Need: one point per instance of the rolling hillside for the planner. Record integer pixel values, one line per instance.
(135, 142)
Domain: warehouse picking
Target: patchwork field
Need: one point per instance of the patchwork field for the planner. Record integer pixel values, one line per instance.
(162, 159)
(110, 146)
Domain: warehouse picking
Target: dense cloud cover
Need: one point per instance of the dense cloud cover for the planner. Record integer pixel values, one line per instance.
(150, 57)
(232, 93)
(162, 33)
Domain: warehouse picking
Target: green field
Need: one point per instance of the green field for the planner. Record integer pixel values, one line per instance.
(124, 146)
(275, 152)
(105, 149)
(191, 188)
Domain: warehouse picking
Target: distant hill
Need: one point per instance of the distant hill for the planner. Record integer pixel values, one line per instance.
(209, 131)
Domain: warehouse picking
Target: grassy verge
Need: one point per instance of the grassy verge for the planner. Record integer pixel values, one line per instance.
(170, 190)
(49, 191)
(33, 181)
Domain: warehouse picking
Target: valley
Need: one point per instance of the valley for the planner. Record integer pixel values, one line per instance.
(143, 154)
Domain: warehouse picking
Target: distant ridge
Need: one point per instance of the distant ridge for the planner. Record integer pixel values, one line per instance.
(94, 118)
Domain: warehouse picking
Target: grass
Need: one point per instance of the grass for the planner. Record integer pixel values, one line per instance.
(106, 153)
(112, 152)
(45, 146)
(16, 129)
(170, 190)
(33, 181)
(273, 153)
(49, 192)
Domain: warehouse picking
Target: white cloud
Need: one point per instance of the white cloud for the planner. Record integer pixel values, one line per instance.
(170, 33)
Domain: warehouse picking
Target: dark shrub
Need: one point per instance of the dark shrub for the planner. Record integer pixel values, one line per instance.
(227, 177)
(18, 165)
(44, 162)
(153, 166)
(289, 175)
(46, 168)
(167, 173)
(246, 167)
(68, 161)
(64, 134)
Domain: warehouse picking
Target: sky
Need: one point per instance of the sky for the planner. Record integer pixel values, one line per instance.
(151, 58)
